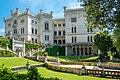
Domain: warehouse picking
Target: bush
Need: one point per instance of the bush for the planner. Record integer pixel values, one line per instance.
(55, 49)
(7, 53)
(32, 74)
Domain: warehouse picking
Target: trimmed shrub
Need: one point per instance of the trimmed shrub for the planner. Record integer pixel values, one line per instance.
(55, 49)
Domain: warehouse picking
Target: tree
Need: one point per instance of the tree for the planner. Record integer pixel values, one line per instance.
(103, 42)
(117, 38)
(102, 13)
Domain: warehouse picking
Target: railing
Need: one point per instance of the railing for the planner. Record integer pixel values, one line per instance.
(104, 73)
(19, 68)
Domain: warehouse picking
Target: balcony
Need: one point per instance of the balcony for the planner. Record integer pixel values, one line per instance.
(59, 36)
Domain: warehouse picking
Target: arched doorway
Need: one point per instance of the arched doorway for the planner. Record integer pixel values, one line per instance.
(90, 50)
(78, 53)
(86, 51)
(81, 50)
(19, 51)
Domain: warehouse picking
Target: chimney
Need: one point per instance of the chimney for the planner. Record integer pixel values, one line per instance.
(4, 18)
(17, 10)
(64, 8)
(41, 11)
(51, 12)
(11, 12)
(27, 10)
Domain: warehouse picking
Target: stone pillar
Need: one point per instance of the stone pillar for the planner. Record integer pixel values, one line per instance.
(79, 51)
(24, 48)
(88, 50)
(13, 45)
(84, 51)
(66, 51)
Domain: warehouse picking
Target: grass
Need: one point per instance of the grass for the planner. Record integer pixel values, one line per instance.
(11, 62)
(75, 58)
(64, 76)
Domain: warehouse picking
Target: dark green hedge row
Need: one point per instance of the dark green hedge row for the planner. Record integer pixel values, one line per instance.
(56, 49)
(7, 53)
(80, 63)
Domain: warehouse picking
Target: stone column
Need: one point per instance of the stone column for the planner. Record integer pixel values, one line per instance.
(84, 51)
(24, 48)
(79, 51)
(66, 51)
(13, 46)
(88, 50)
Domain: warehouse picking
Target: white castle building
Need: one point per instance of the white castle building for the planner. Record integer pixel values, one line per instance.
(69, 32)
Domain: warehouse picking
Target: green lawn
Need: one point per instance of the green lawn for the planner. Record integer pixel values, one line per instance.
(11, 62)
(75, 58)
(65, 76)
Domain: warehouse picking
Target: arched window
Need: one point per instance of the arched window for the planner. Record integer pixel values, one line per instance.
(90, 50)
(15, 21)
(78, 51)
(86, 51)
(81, 50)
(59, 42)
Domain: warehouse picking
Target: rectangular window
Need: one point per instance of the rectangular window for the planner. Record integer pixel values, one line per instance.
(59, 33)
(32, 40)
(46, 37)
(73, 20)
(23, 30)
(22, 21)
(46, 26)
(9, 24)
(91, 38)
(72, 40)
(32, 31)
(55, 33)
(15, 31)
(32, 21)
(63, 24)
(75, 39)
(35, 31)
(88, 38)
(35, 40)
(72, 30)
(59, 25)
(55, 25)
(63, 32)
(55, 41)
(35, 22)
(89, 30)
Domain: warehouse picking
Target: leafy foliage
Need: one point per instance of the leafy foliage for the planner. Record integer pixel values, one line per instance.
(5, 42)
(102, 13)
(29, 46)
(55, 49)
(32, 74)
(7, 53)
(117, 38)
(103, 41)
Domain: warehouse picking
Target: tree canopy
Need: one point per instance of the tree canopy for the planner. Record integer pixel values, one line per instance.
(102, 13)
(103, 42)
